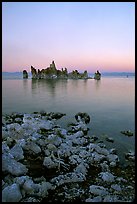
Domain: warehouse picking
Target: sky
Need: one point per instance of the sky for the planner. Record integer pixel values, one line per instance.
(76, 35)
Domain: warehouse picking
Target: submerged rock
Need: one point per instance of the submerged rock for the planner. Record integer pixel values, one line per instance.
(127, 132)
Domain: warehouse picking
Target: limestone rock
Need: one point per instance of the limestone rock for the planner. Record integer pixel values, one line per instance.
(25, 74)
(17, 152)
(12, 166)
(82, 117)
(11, 193)
(34, 73)
(97, 75)
(107, 176)
(98, 190)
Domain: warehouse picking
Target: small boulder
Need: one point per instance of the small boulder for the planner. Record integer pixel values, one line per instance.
(82, 117)
(11, 193)
(25, 74)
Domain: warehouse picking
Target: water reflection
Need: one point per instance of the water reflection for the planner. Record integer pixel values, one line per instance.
(47, 86)
(97, 84)
(25, 84)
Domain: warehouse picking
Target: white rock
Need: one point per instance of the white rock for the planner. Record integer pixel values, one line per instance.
(49, 163)
(116, 187)
(88, 200)
(75, 159)
(106, 176)
(11, 193)
(97, 157)
(97, 199)
(111, 198)
(28, 186)
(81, 168)
(98, 190)
(5, 147)
(33, 147)
(5, 134)
(52, 147)
(113, 158)
(44, 187)
(12, 166)
(17, 152)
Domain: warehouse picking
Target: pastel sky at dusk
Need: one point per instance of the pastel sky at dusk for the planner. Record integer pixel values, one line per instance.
(76, 35)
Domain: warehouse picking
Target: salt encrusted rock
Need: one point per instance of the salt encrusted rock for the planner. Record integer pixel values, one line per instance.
(88, 200)
(65, 149)
(80, 126)
(68, 178)
(28, 186)
(70, 153)
(21, 180)
(5, 148)
(107, 176)
(112, 158)
(112, 151)
(5, 134)
(111, 198)
(95, 199)
(127, 133)
(31, 199)
(105, 167)
(17, 152)
(44, 187)
(52, 148)
(82, 168)
(97, 157)
(33, 147)
(109, 139)
(57, 115)
(116, 187)
(84, 117)
(130, 156)
(98, 190)
(49, 163)
(12, 166)
(75, 159)
(120, 179)
(11, 193)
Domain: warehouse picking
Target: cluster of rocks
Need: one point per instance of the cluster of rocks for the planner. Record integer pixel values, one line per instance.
(53, 73)
(41, 161)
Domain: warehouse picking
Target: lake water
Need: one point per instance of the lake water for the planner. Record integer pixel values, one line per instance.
(110, 103)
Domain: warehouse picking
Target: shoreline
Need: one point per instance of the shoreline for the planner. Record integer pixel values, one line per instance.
(42, 161)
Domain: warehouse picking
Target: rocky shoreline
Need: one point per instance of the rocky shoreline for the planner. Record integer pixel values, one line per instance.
(43, 162)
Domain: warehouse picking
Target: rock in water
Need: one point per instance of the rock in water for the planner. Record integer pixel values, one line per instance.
(25, 74)
(82, 116)
(97, 75)
(34, 73)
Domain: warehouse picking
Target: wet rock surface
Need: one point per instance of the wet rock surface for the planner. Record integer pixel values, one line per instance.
(43, 162)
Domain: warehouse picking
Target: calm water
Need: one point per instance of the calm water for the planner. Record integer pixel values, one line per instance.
(110, 103)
